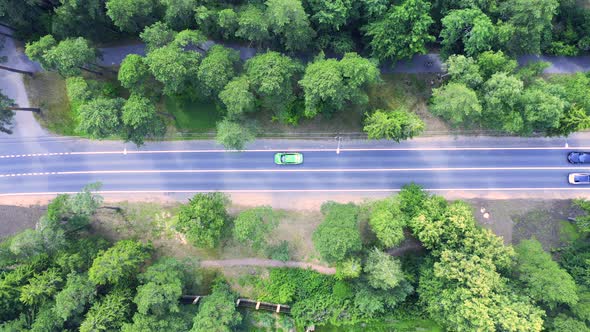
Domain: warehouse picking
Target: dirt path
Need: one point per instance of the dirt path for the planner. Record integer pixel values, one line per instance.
(266, 263)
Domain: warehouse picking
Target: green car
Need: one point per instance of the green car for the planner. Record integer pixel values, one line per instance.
(288, 158)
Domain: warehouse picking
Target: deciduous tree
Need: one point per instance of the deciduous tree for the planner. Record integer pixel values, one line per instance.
(141, 120)
(179, 13)
(161, 288)
(156, 35)
(501, 95)
(456, 103)
(253, 226)
(109, 313)
(203, 218)
(544, 280)
(101, 117)
(233, 135)
(253, 24)
(338, 235)
(217, 69)
(395, 125)
(402, 32)
(72, 300)
(466, 30)
(131, 15)
(118, 263)
(330, 15)
(383, 271)
(288, 19)
(387, 222)
(217, 312)
(237, 97)
(464, 70)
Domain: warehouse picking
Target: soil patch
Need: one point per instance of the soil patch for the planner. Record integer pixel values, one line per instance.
(16, 218)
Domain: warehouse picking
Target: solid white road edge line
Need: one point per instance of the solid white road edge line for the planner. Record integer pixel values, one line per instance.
(301, 170)
(106, 192)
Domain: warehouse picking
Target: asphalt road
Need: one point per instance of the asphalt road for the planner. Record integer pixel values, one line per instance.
(188, 167)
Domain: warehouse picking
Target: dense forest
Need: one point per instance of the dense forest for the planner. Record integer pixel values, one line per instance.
(322, 56)
(60, 276)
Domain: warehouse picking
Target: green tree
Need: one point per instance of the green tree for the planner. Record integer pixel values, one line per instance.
(237, 97)
(36, 51)
(574, 119)
(217, 69)
(544, 280)
(109, 313)
(101, 117)
(491, 62)
(271, 77)
(528, 24)
(349, 269)
(131, 15)
(118, 263)
(288, 20)
(383, 271)
(387, 222)
(253, 24)
(411, 199)
(174, 67)
(6, 115)
(41, 287)
(203, 219)
(328, 83)
(563, 323)
(73, 299)
(70, 55)
(141, 119)
(394, 125)
(85, 18)
(402, 32)
(501, 96)
(217, 312)
(542, 110)
(374, 9)
(253, 226)
(463, 70)
(134, 75)
(46, 320)
(157, 35)
(227, 20)
(179, 13)
(331, 15)
(233, 135)
(466, 30)
(338, 235)
(456, 103)
(160, 289)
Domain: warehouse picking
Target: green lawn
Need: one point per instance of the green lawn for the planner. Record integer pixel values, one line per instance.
(47, 90)
(195, 116)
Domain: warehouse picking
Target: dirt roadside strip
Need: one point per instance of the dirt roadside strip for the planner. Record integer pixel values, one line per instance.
(266, 263)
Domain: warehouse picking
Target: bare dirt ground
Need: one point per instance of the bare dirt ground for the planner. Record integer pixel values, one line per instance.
(16, 218)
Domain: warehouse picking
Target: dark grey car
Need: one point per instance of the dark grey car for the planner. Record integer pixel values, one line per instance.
(579, 157)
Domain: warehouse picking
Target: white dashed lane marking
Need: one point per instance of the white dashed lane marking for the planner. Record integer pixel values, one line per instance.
(35, 155)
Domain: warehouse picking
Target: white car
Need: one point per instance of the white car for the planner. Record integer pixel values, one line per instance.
(579, 178)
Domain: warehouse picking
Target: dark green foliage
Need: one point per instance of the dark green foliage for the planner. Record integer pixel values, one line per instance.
(545, 281)
(101, 117)
(279, 252)
(203, 218)
(217, 69)
(401, 32)
(468, 31)
(141, 120)
(85, 18)
(329, 84)
(253, 24)
(253, 227)
(234, 135)
(387, 222)
(288, 20)
(395, 125)
(110, 313)
(156, 35)
(338, 235)
(118, 263)
(217, 312)
(131, 15)
(72, 300)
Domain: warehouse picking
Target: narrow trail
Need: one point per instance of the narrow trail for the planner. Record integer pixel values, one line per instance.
(266, 263)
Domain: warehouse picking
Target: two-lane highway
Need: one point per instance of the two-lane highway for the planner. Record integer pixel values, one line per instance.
(353, 169)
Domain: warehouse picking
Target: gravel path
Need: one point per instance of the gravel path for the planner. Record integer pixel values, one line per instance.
(266, 263)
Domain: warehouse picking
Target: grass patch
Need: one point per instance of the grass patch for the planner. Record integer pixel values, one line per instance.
(47, 90)
(568, 232)
(198, 116)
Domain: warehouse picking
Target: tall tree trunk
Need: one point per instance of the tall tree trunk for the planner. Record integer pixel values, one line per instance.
(91, 71)
(16, 70)
(28, 109)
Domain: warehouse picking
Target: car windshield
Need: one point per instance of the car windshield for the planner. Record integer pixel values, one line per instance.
(583, 157)
(287, 158)
(582, 178)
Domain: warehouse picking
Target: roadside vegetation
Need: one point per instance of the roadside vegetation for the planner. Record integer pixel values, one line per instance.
(322, 59)
(91, 267)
